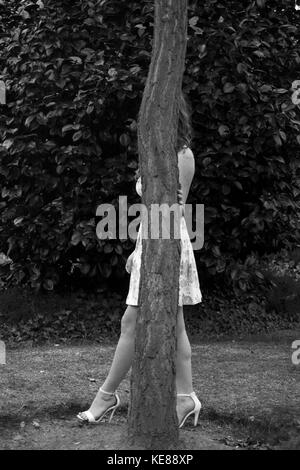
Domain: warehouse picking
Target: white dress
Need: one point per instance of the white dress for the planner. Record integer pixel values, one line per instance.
(189, 289)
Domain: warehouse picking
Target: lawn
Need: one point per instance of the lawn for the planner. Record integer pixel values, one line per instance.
(249, 388)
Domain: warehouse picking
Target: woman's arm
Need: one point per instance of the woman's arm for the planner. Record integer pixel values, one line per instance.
(186, 166)
(128, 265)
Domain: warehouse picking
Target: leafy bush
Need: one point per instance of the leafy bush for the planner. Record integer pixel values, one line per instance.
(75, 72)
(49, 317)
(282, 274)
(284, 296)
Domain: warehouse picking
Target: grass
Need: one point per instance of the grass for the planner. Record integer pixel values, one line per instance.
(249, 389)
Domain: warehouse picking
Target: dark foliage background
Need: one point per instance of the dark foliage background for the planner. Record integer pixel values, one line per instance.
(75, 72)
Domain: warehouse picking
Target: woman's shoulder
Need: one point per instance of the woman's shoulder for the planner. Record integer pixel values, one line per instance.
(186, 153)
(186, 162)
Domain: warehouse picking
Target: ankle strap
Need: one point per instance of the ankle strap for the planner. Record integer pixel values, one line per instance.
(107, 393)
(186, 394)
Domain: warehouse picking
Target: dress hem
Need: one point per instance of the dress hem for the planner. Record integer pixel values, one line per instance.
(133, 304)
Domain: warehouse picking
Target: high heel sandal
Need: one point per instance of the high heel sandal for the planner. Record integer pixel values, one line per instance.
(195, 411)
(87, 417)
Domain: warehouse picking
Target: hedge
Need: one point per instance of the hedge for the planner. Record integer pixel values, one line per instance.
(74, 73)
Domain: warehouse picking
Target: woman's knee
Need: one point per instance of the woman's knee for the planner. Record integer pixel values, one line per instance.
(183, 344)
(180, 322)
(128, 320)
(184, 350)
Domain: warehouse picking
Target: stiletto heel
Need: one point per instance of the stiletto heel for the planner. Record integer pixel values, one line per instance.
(196, 417)
(86, 416)
(112, 414)
(196, 409)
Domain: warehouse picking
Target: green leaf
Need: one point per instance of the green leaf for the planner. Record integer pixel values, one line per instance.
(75, 59)
(69, 127)
(206, 161)
(125, 140)
(193, 21)
(77, 136)
(226, 189)
(277, 139)
(228, 88)
(29, 120)
(106, 270)
(238, 185)
(224, 130)
(76, 238)
(108, 248)
(48, 284)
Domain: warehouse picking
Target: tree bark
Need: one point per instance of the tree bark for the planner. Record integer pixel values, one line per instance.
(152, 413)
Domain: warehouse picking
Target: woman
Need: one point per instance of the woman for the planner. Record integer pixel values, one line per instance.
(107, 400)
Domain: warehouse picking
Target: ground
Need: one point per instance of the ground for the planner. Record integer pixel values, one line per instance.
(249, 389)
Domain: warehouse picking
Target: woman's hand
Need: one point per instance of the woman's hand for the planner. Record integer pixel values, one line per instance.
(128, 265)
(180, 199)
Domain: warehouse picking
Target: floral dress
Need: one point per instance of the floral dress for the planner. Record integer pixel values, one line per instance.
(189, 289)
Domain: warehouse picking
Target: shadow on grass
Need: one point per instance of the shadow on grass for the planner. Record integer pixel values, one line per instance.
(267, 429)
(270, 429)
(65, 411)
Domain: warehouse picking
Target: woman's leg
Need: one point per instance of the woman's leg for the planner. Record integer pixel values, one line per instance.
(121, 362)
(123, 359)
(184, 382)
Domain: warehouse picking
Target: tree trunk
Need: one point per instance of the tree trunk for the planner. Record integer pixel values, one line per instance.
(152, 414)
